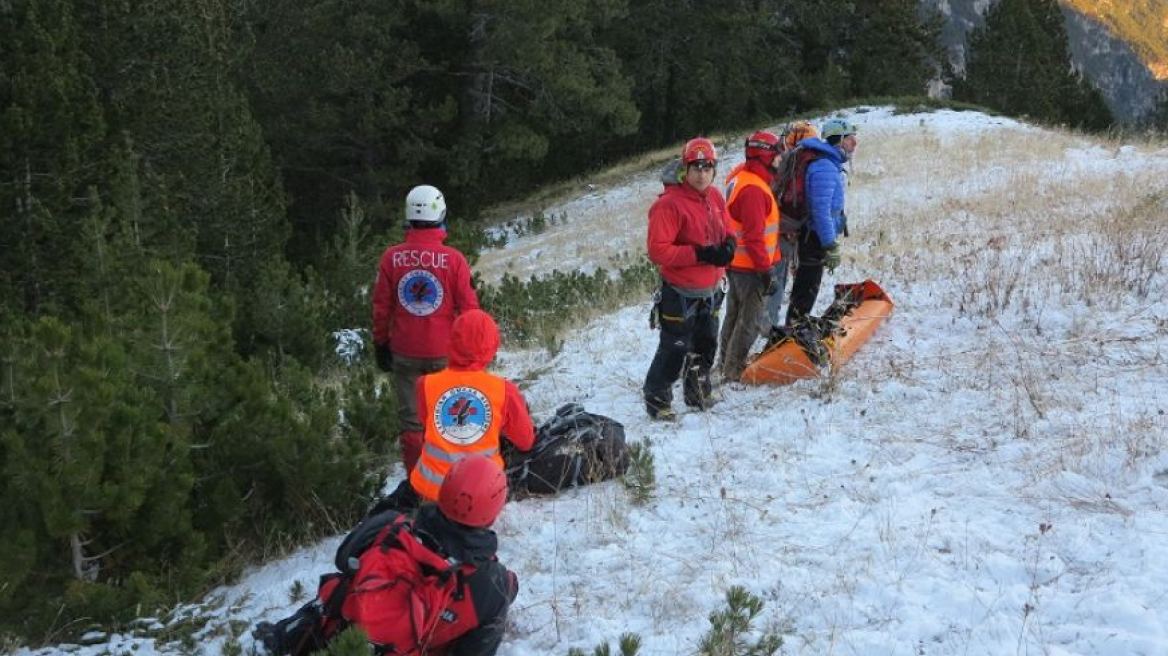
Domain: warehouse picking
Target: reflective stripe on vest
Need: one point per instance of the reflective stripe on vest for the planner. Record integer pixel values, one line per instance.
(462, 419)
(742, 260)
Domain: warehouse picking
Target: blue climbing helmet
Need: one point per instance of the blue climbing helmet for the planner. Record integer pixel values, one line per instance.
(837, 127)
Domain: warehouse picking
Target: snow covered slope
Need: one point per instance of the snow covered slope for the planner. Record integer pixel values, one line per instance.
(987, 476)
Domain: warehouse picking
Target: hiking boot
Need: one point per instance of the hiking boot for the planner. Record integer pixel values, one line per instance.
(660, 413)
(704, 402)
(778, 335)
(266, 639)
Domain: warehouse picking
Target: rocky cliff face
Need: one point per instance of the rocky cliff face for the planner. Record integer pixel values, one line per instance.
(1127, 83)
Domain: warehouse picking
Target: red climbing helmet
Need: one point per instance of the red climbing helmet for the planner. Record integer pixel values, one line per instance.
(699, 149)
(473, 492)
(763, 146)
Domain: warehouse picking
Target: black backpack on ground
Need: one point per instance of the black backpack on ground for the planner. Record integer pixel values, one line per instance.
(572, 448)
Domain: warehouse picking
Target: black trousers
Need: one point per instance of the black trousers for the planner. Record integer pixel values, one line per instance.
(808, 276)
(689, 341)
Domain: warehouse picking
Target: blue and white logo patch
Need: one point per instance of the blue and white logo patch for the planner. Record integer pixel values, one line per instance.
(420, 293)
(462, 415)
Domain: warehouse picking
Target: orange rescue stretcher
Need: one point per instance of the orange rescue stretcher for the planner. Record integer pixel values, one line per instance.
(787, 361)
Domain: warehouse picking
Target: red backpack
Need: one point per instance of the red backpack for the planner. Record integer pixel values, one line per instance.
(791, 190)
(403, 595)
(401, 592)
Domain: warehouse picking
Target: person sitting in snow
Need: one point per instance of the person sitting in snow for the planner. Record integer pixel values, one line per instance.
(464, 410)
(458, 530)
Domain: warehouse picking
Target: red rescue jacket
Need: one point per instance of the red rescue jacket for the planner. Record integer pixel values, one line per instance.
(680, 219)
(422, 285)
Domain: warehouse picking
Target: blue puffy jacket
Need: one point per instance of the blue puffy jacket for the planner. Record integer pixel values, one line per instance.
(824, 189)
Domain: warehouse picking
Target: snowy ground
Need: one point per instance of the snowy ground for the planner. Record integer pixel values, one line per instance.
(987, 476)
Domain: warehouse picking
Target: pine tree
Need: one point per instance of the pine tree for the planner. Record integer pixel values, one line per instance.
(274, 465)
(286, 315)
(101, 483)
(529, 77)
(699, 66)
(50, 127)
(814, 31)
(351, 265)
(138, 210)
(167, 73)
(1157, 118)
(890, 50)
(1019, 63)
(349, 104)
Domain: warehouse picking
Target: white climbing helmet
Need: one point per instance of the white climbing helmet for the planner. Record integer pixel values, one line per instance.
(425, 204)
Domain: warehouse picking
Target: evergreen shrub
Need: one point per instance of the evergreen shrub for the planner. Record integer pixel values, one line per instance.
(732, 631)
(535, 311)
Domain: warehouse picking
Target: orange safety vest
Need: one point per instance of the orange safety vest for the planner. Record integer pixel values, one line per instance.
(739, 181)
(464, 408)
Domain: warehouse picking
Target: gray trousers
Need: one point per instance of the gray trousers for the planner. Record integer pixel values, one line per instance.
(744, 317)
(406, 372)
(774, 304)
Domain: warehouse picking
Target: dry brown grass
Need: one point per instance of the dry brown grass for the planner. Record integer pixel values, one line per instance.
(1020, 230)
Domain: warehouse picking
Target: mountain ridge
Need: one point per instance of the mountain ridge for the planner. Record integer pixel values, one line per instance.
(1123, 51)
(1143, 25)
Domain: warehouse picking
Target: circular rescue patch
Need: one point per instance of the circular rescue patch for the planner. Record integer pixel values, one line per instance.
(420, 293)
(462, 415)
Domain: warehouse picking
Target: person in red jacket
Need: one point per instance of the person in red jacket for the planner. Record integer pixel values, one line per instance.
(422, 285)
(754, 217)
(465, 411)
(690, 242)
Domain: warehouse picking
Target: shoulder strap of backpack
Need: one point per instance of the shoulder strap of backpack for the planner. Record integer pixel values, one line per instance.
(362, 538)
(788, 165)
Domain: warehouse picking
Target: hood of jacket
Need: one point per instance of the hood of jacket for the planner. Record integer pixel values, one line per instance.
(673, 173)
(425, 235)
(463, 543)
(474, 340)
(751, 166)
(829, 151)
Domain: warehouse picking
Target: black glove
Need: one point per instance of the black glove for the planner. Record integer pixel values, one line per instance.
(766, 282)
(719, 255)
(384, 357)
(831, 257)
(403, 499)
